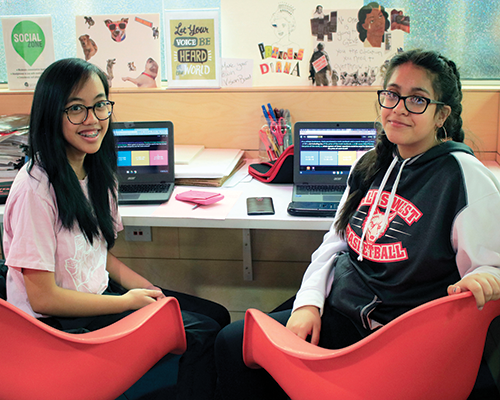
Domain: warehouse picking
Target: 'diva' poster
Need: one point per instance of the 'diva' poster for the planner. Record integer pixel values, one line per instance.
(193, 48)
(29, 49)
(125, 46)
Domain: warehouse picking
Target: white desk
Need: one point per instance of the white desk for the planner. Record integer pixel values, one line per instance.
(237, 217)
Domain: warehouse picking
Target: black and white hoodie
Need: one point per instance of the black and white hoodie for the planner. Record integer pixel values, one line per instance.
(425, 223)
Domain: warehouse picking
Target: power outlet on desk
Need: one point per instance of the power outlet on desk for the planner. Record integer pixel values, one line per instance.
(138, 233)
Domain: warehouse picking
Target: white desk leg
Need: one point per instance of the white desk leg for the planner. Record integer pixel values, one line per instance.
(247, 256)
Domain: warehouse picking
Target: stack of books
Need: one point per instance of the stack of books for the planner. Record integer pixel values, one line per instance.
(13, 148)
(198, 166)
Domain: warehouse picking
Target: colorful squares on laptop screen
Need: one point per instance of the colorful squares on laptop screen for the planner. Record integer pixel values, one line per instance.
(329, 157)
(142, 158)
(330, 150)
(158, 157)
(142, 150)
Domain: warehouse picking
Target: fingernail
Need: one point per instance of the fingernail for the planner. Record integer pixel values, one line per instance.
(454, 290)
(480, 308)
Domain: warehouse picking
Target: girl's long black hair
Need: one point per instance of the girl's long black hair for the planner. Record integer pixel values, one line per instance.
(446, 84)
(47, 149)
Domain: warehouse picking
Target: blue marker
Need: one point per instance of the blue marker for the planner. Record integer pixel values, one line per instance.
(266, 115)
(271, 112)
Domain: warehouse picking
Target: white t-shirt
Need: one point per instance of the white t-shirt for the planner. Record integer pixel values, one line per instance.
(34, 238)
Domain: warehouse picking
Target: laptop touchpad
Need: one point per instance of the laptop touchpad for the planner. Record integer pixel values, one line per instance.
(331, 198)
(129, 196)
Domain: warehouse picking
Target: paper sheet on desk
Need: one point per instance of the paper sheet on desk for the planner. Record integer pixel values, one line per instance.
(210, 163)
(181, 209)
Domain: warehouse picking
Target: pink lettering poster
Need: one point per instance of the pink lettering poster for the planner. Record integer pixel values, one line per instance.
(276, 35)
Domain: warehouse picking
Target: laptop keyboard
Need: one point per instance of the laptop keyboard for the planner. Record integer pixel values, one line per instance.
(319, 189)
(145, 188)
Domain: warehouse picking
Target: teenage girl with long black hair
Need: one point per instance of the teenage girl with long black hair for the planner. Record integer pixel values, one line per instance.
(418, 220)
(61, 219)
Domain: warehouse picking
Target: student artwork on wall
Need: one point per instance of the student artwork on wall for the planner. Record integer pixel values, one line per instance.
(29, 49)
(351, 46)
(192, 48)
(276, 35)
(125, 46)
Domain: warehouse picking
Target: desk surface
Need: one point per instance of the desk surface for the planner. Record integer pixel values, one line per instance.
(237, 218)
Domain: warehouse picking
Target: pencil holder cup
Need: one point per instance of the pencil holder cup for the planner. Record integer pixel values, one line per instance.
(266, 151)
(274, 138)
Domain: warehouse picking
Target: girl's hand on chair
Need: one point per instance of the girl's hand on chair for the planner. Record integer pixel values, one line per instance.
(306, 321)
(484, 287)
(138, 298)
(161, 296)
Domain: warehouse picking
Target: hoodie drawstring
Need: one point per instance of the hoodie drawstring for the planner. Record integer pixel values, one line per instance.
(377, 201)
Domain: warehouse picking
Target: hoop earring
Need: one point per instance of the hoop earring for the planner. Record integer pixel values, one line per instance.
(445, 134)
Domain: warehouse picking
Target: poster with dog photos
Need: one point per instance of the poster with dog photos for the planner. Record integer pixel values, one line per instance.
(29, 49)
(125, 46)
(193, 48)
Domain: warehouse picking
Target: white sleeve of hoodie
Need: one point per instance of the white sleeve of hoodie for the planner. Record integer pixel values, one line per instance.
(476, 231)
(318, 278)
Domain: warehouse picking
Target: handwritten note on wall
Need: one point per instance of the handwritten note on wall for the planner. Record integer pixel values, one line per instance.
(236, 72)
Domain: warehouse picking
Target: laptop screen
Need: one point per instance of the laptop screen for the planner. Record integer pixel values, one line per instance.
(330, 148)
(144, 150)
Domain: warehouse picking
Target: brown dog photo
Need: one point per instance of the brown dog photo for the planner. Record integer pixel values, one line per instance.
(88, 45)
(148, 78)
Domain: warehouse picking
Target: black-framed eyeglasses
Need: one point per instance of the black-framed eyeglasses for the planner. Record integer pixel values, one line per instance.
(77, 113)
(414, 104)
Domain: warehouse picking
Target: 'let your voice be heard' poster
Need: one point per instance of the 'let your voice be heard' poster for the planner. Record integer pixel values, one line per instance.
(193, 48)
(29, 49)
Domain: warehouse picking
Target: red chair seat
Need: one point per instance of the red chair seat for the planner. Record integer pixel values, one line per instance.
(431, 352)
(39, 362)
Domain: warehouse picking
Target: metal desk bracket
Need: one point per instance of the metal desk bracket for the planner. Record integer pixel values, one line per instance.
(247, 256)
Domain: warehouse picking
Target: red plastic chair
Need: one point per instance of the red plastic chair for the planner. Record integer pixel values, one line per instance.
(431, 352)
(39, 362)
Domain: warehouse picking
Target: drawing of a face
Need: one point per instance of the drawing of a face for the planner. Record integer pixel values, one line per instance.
(283, 24)
(280, 28)
(375, 23)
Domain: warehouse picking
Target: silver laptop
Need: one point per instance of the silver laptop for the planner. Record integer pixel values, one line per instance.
(145, 161)
(323, 155)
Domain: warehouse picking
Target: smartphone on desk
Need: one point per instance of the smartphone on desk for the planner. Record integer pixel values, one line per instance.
(260, 206)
